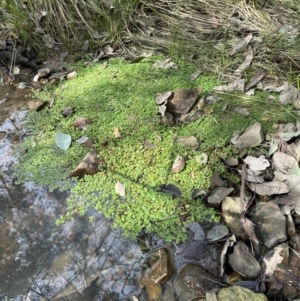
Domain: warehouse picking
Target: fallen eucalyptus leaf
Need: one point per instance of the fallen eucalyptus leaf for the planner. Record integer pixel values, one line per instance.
(195, 74)
(239, 44)
(88, 165)
(120, 189)
(247, 62)
(241, 111)
(284, 163)
(288, 136)
(255, 79)
(82, 140)
(273, 148)
(85, 46)
(62, 140)
(269, 188)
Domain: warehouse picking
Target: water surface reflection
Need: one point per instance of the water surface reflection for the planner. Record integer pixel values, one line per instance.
(40, 261)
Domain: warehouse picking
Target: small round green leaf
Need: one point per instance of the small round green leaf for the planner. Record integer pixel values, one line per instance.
(62, 140)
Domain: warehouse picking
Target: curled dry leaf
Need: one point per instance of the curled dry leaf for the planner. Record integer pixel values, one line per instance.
(195, 74)
(255, 79)
(239, 44)
(269, 188)
(178, 164)
(120, 189)
(88, 165)
(246, 63)
(81, 123)
(248, 226)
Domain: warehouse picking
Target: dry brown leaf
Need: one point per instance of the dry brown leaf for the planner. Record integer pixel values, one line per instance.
(88, 165)
(117, 133)
(269, 188)
(255, 79)
(284, 163)
(81, 123)
(246, 63)
(178, 164)
(195, 74)
(248, 227)
(239, 44)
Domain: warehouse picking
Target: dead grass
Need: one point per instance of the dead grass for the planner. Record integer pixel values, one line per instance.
(183, 28)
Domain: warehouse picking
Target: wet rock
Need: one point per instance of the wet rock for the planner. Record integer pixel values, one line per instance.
(231, 210)
(168, 294)
(162, 267)
(182, 101)
(189, 141)
(196, 251)
(217, 232)
(192, 282)
(252, 136)
(243, 262)
(239, 293)
(270, 224)
(217, 196)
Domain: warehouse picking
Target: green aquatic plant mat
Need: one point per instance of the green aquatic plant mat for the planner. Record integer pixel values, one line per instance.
(119, 95)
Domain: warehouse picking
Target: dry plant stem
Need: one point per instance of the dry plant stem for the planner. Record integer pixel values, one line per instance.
(242, 194)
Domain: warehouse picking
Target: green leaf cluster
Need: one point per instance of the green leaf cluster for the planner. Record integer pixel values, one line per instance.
(120, 94)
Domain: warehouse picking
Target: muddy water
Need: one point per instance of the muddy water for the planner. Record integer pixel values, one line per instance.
(40, 261)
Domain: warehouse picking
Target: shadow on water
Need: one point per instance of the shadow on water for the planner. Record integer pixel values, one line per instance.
(79, 260)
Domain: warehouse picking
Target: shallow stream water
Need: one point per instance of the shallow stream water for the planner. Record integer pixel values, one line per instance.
(79, 260)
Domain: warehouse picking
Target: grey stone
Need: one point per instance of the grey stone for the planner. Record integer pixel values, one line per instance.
(252, 136)
(243, 262)
(217, 196)
(231, 209)
(270, 223)
(239, 293)
(232, 162)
